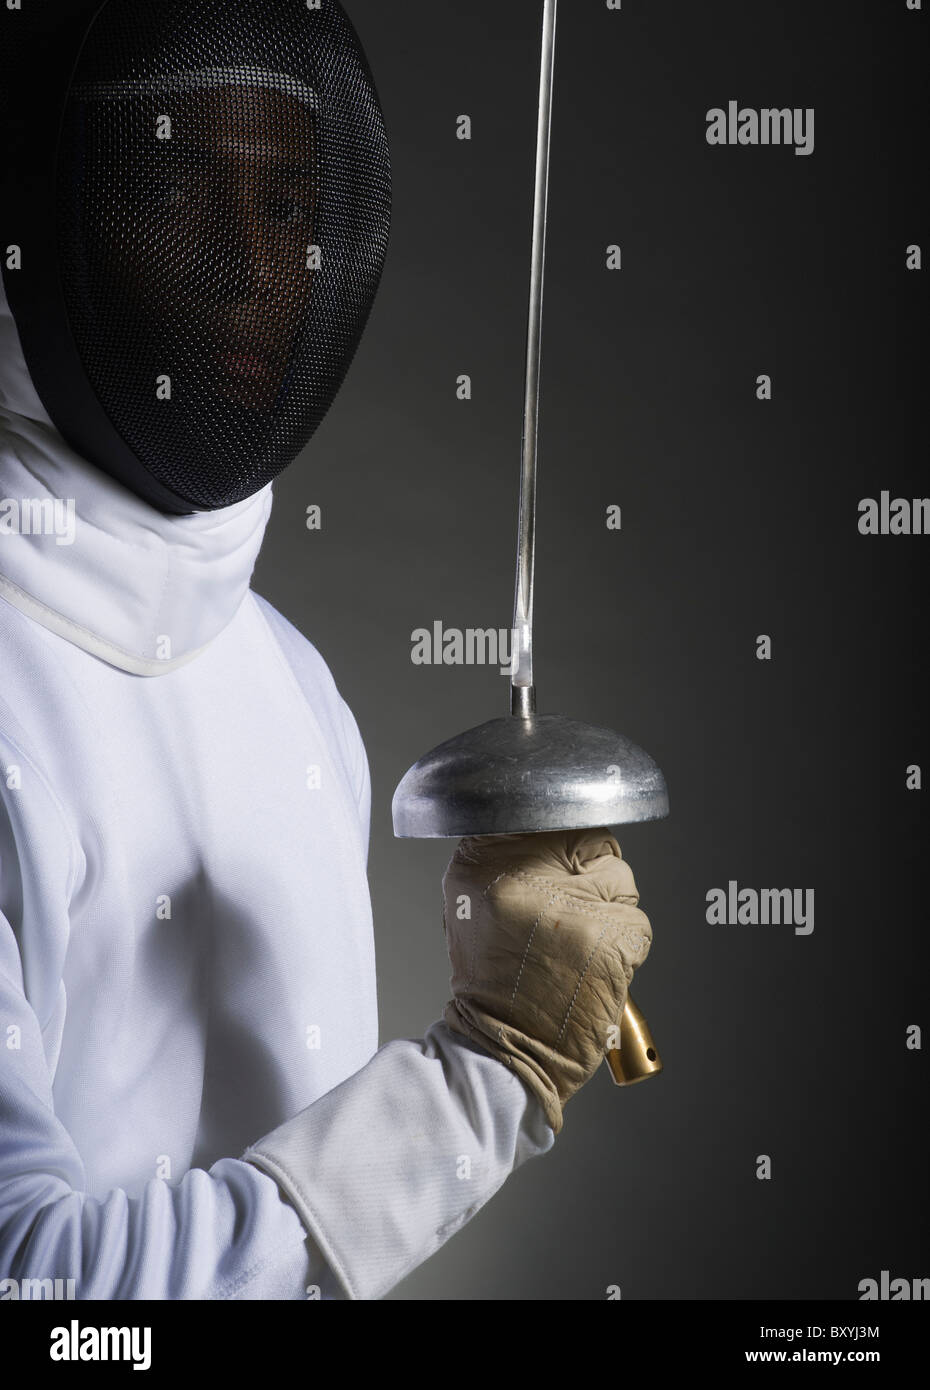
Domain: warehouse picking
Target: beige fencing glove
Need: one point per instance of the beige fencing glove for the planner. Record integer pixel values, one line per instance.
(544, 934)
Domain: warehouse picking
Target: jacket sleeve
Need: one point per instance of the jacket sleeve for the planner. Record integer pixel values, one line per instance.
(222, 1234)
(392, 1162)
(341, 1201)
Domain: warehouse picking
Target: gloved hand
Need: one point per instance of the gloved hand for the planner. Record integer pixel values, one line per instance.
(544, 934)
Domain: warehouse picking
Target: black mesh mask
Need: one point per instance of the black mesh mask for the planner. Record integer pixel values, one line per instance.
(203, 220)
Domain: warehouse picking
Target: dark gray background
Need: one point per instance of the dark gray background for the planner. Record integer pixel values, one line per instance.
(739, 518)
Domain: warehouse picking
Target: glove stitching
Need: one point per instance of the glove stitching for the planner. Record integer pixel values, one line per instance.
(503, 873)
(522, 964)
(554, 894)
(588, 909)
(578, 986)
(628, 899)
(474, 938)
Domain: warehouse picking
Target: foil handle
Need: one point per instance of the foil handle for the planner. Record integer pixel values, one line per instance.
(637, 1057)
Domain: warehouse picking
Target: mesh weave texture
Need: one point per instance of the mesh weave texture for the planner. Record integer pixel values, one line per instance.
(223, 213)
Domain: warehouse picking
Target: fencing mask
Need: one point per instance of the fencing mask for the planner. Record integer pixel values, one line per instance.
(196, 204)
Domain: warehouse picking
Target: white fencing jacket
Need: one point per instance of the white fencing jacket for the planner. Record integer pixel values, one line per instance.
(193, 1104)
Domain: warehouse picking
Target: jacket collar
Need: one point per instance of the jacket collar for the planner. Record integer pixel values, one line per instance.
(90, 561)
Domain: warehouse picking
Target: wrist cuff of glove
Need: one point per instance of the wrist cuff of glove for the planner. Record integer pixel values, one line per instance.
(523, 1065)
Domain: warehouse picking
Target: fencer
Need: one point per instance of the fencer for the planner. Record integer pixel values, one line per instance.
(193, 1101)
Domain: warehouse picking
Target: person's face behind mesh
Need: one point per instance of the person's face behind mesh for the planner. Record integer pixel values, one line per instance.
(204, 247)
